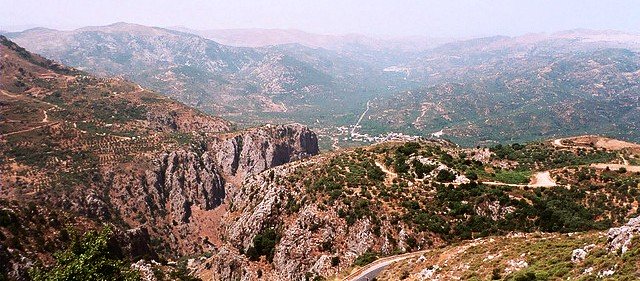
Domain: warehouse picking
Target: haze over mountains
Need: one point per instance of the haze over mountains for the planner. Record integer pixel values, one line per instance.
(301, 79)
(319, 140)
(255, 37)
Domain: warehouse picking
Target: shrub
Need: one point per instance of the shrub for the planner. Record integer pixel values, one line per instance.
(495, 274)
(90, 257)
(408, 148)
(335, 261)
(421, 169)
(528, 276)
(445, 176)
(472, 176)
(400, 164)
(181, 273)
(264, 244)
(366, 258)
(374, 172)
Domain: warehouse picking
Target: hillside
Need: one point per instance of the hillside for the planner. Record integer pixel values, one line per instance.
(79, 151)
(402, 197)
(519, 256)
(502, 89)
(251, 86)
(253, 83)
(184, 66)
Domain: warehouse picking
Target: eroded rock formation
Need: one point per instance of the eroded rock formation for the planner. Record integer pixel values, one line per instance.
(164, 196)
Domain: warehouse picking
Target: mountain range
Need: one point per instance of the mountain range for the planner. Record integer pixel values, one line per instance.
(457, 89)
(103, 178)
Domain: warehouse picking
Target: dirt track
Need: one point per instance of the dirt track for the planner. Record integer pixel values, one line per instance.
(615, 167)
(596, 141)
(542, 179)
(28, 130)
(603, 142)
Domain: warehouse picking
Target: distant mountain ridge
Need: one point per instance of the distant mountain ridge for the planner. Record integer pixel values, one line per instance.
(257, 37)
(501, 89)
(185, 66)
(465, 87)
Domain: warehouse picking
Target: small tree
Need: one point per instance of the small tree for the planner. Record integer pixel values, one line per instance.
(89, 257)
(445, 175)
(471, 175)
(495, 274)
(366, 258)
(335, 261)
(264, 244)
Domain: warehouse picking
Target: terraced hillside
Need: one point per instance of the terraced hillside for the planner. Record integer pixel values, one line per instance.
(79, 151)
(52, 112)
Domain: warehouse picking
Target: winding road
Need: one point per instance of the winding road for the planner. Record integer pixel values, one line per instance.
(624, 160)
(28, 130)
(539, 179)
(370, 271)
(615, 167)
(45, 118)
(558, 143)
(611, 166)
(542, 179)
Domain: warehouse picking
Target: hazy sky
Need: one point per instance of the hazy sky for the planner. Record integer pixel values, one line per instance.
(379, 17)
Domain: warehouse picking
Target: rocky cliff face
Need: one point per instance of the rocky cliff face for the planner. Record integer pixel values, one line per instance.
(175, 185)
(256, 150)
(181, 179)
(311, 235)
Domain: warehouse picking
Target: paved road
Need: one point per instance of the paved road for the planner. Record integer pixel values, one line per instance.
(375, 269)
(369, 275)
(368, 272)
